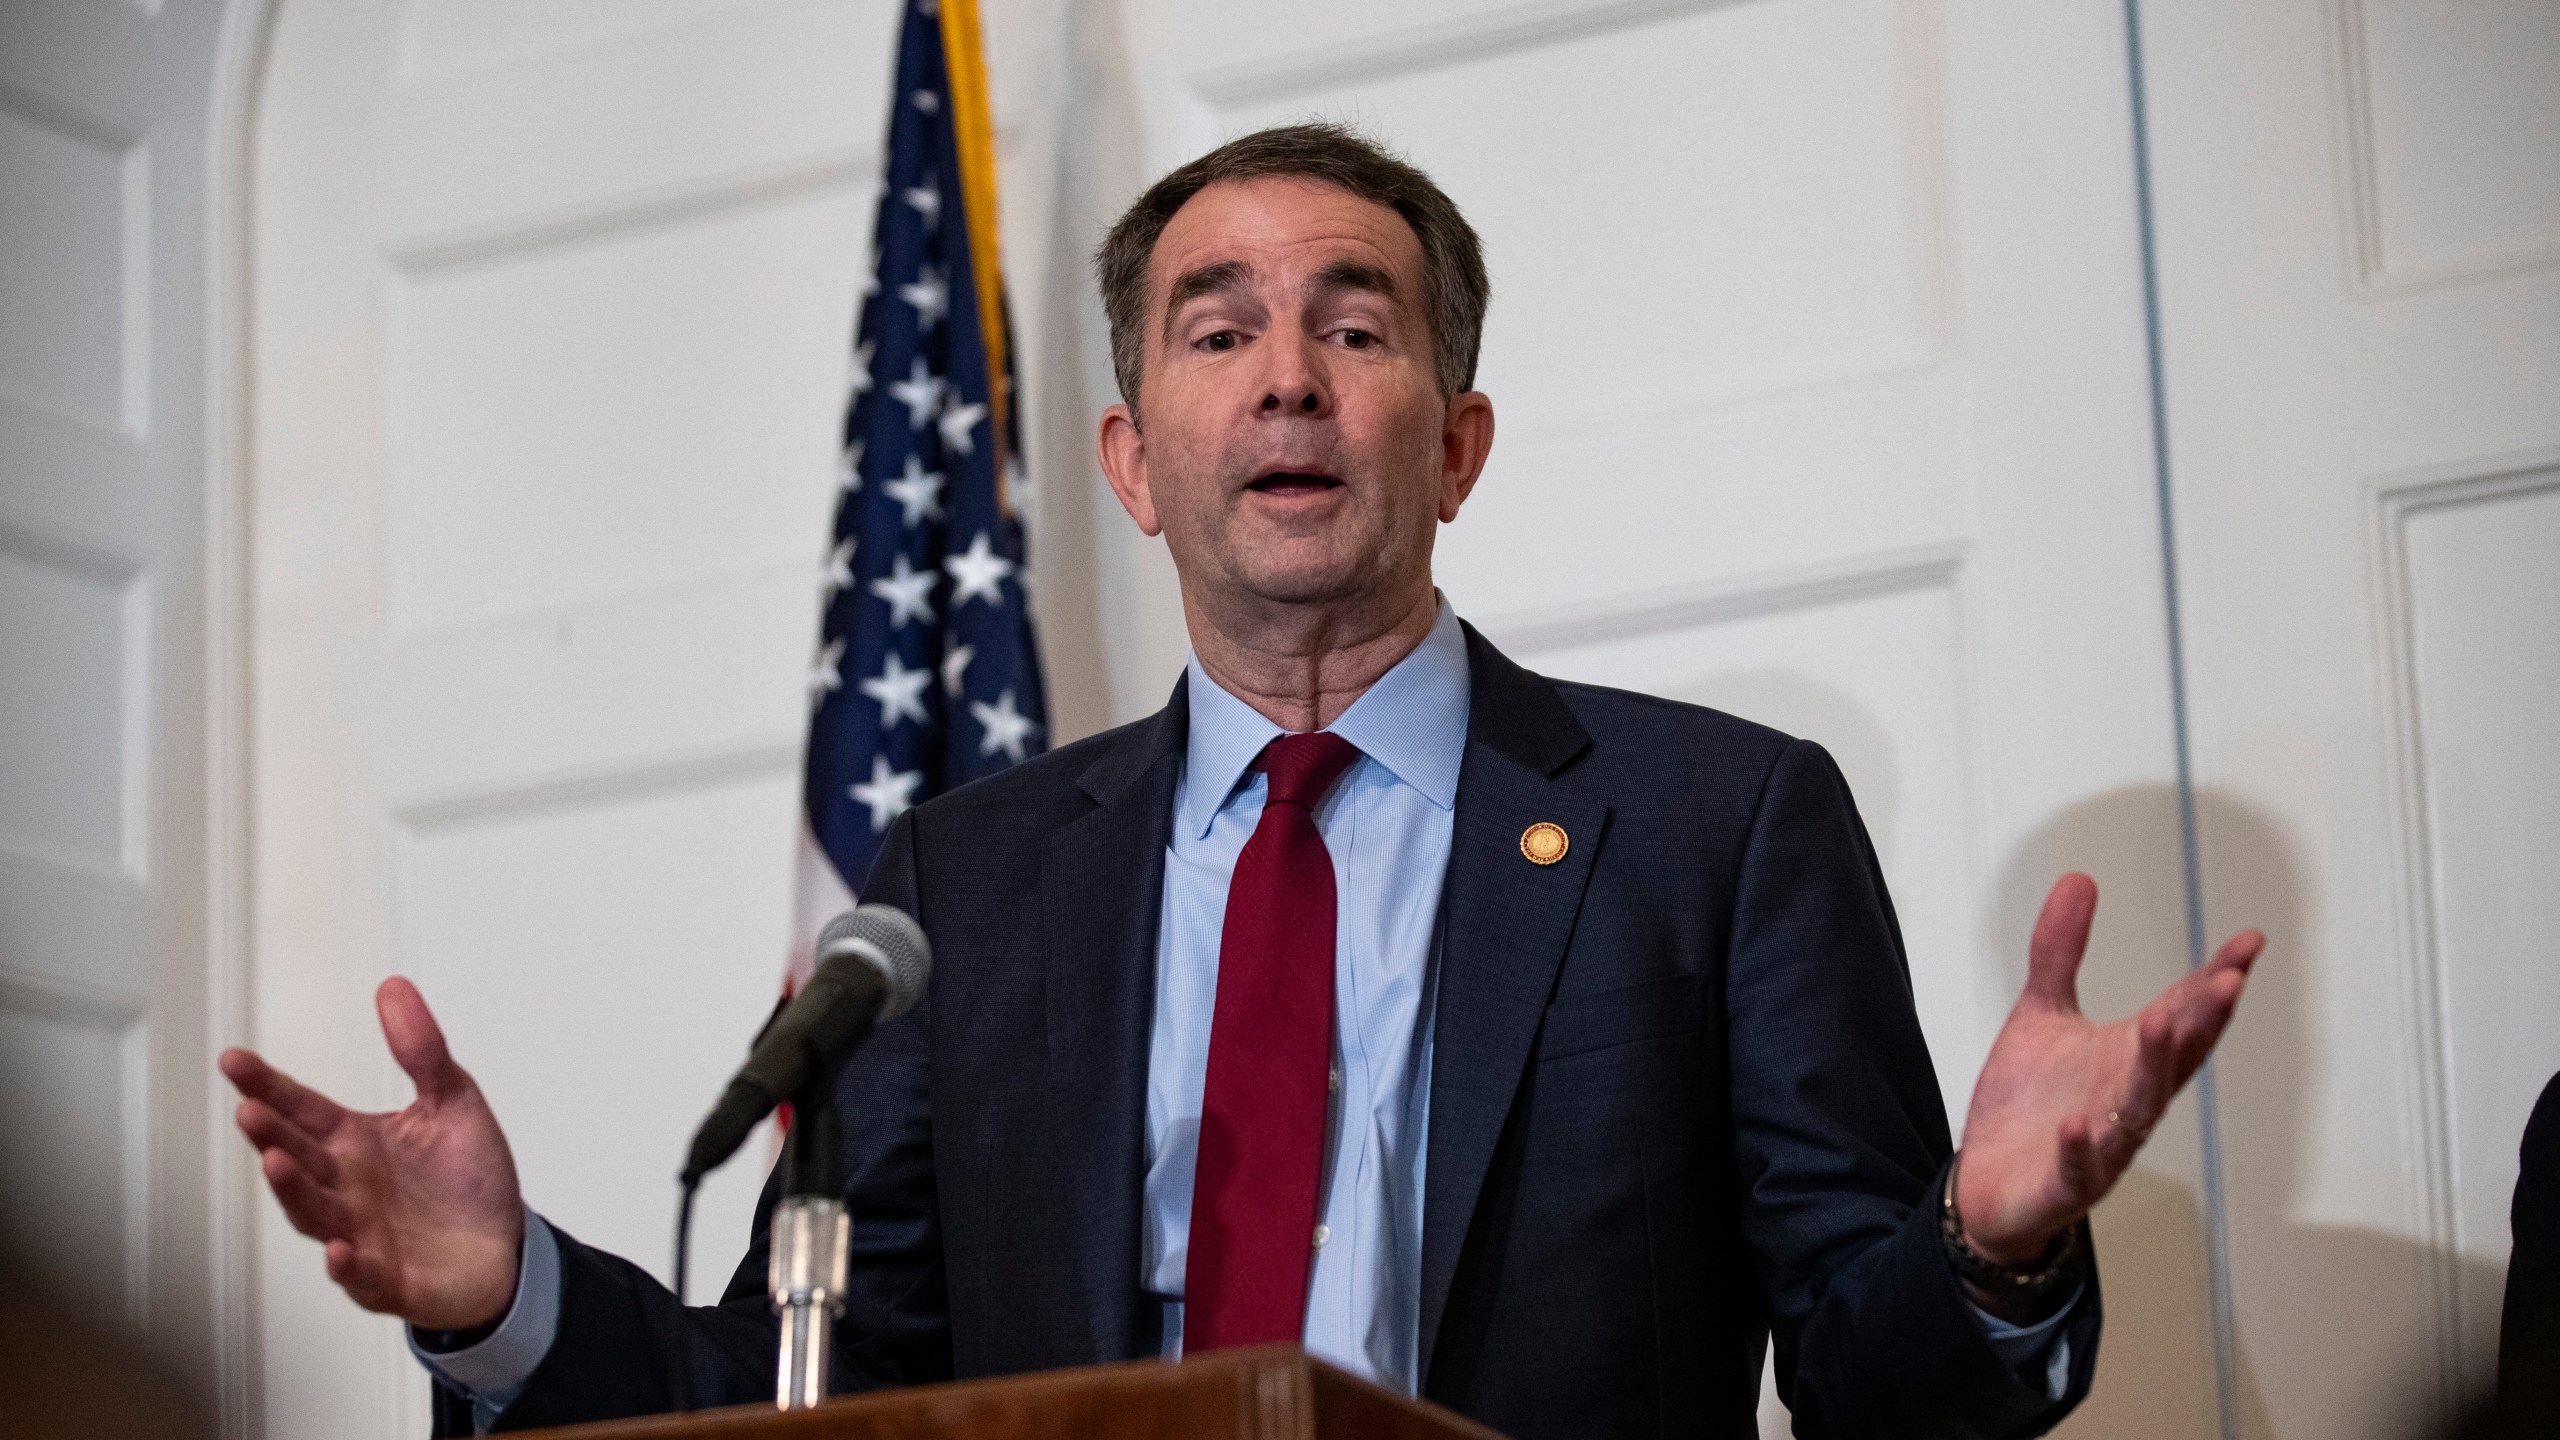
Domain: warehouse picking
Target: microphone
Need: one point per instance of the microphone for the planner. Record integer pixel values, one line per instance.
(872, 964)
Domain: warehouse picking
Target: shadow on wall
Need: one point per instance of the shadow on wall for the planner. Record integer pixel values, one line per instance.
(2156, 1368)
(2303, 1287)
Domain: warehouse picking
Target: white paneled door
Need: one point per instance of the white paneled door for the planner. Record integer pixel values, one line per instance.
(104, 1172)
(2360, 221)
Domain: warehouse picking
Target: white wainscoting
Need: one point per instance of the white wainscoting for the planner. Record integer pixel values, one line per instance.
(75, 1096)
(2435, 99)
(588, 968)
(78, 297)
(2467, 578)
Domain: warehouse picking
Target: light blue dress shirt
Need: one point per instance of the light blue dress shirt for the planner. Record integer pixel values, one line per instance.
(1388, 825)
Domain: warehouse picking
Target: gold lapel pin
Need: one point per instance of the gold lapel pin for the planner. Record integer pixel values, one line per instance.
(1544, 843)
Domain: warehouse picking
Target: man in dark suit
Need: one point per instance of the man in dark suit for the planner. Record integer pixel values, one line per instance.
(2528, 1399)
(1576, 1022)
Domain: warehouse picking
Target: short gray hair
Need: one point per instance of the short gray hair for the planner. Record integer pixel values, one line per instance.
(1455, 289)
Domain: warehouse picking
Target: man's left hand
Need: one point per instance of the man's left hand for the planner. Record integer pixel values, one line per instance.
(2064, 1102)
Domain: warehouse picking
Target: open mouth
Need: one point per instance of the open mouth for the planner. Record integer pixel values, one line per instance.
(1295, 482)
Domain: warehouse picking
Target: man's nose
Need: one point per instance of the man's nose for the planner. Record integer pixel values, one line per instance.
(1296, 383)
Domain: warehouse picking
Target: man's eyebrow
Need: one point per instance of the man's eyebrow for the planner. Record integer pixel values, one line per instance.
(1352, 275)
(1207, 279)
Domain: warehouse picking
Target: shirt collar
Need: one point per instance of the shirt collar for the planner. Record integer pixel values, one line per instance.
(1412, 720)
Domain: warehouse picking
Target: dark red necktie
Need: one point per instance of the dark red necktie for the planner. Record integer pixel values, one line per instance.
(1262, 1113)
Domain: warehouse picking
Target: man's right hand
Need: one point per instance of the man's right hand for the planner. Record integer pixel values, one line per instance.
(418, 1208)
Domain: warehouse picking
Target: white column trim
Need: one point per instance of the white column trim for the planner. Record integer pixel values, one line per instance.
(240, 54)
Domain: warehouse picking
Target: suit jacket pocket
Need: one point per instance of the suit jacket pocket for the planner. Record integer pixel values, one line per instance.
(1646, 1010)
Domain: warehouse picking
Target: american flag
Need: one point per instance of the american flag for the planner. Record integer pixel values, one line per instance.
(926, 676)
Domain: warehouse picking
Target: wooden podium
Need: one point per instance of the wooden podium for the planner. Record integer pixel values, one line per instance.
(1272, 1392)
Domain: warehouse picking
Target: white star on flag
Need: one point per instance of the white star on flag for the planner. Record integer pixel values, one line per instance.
(957, 421)
(921, 517)
(917, 490)
(979, 571)
(909, 592)
(1022, 491)
(1006, 729)
(839, 572)
(930, 296)
(920, 392)
(899, 690)
(823, 676)
(890, 793)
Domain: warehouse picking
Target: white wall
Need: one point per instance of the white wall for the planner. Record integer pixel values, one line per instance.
(1848, 431)
(2360, 258)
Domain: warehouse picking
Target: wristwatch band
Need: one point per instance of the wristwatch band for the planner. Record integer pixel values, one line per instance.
(2059, 1263)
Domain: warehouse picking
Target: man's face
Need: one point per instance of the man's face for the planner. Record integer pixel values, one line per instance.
(1297, 448)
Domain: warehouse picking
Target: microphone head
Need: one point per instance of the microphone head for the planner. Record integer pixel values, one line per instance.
(888, 940)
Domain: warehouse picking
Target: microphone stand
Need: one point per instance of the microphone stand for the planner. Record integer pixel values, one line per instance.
(807, 1244)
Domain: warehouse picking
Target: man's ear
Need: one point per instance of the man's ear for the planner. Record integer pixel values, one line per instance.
(1124, 464)
(1466, 438)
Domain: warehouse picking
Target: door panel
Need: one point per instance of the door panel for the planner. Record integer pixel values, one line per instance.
(2360, 251)
(104, 1104)
(2483, 636)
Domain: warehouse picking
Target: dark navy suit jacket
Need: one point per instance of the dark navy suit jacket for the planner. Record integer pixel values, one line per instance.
(1679, 1100)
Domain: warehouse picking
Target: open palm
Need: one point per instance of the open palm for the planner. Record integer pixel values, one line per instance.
(417, 1208)
(2063, 1102)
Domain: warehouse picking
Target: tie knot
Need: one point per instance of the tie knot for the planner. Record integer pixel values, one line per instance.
(1302, 767)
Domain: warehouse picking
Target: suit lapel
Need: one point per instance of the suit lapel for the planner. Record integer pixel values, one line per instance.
(1505, 925)
(1101, 885)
